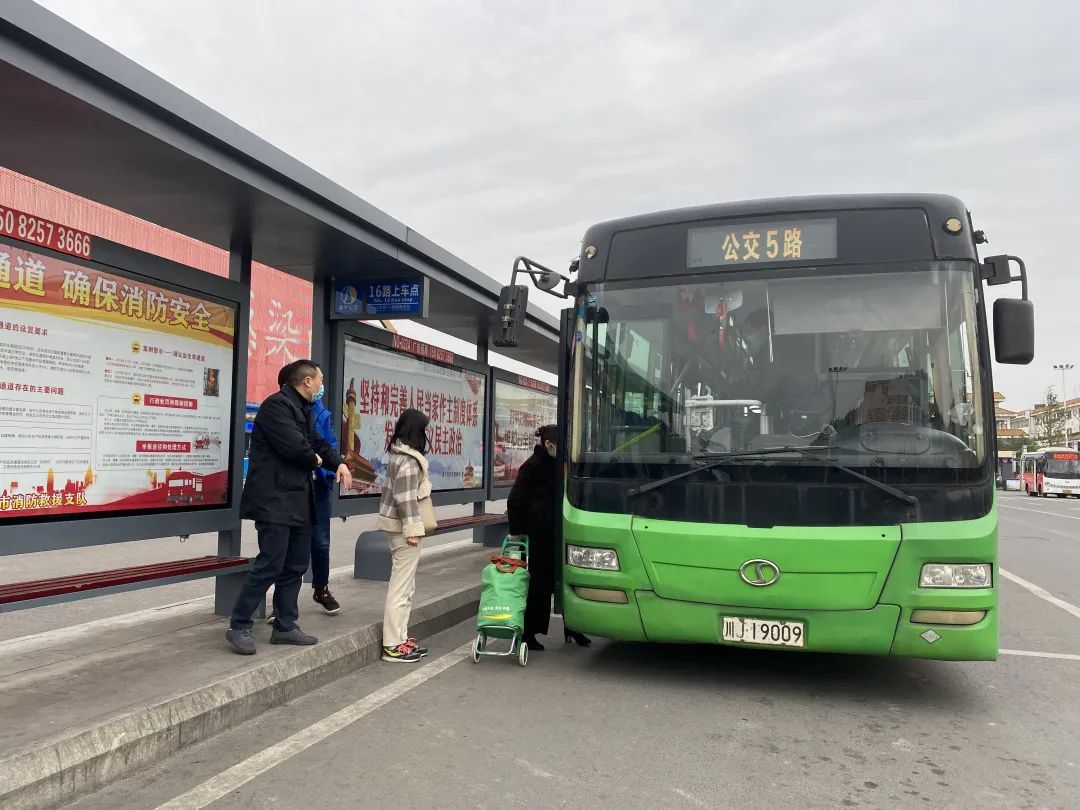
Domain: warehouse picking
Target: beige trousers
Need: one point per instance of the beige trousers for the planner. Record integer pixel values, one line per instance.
(399, 594)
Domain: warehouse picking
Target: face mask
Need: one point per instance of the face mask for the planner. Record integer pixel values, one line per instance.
(319, 394)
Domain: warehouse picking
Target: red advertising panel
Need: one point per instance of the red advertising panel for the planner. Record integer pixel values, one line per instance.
(115, 392)
(280, 328)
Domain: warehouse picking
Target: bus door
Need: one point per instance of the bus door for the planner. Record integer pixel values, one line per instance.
(1031, 473)
(567, 326)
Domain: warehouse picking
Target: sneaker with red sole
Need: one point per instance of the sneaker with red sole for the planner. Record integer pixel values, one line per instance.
(401, 654)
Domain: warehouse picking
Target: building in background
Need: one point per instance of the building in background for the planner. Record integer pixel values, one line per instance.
(1028, 424)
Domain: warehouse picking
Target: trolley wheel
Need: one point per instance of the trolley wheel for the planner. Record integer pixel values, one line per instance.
(523, 653)
(478, 647)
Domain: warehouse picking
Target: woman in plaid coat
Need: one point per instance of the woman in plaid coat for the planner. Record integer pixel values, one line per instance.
(407, 483)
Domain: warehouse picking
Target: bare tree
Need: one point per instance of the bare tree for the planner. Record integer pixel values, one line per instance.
(1050, 420)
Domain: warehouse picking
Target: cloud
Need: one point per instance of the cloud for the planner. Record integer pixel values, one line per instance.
(501, 128)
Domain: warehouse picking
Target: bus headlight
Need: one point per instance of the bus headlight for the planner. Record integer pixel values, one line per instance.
(956, 575)
(603, 559)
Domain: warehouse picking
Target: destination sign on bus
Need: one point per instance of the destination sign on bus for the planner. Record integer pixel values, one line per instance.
(761, 242)
(1065, 456)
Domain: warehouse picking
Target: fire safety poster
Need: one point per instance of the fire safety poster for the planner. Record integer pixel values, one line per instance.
(115, 393)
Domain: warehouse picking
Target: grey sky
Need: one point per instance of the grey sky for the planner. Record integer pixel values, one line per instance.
(500, 128)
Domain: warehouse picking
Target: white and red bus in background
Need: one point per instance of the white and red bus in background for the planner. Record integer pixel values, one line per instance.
(1051, 471)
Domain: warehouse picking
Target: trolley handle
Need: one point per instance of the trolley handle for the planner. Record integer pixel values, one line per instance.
(521, 545)
(507, 565)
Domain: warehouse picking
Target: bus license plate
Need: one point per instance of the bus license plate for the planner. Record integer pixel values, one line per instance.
(763, 631)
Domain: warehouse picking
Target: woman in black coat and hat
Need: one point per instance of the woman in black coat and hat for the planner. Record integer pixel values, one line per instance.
(532, 509)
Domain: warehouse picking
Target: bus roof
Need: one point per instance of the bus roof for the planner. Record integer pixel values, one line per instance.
(923, 242)
(1042, 450)
(941, 205)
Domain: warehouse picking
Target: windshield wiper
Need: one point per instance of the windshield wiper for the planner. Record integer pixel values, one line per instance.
(888, 489)
(710, 461)
(806, 452)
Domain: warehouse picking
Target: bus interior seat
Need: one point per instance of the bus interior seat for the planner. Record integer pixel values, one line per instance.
(893, 398)
(882, 398)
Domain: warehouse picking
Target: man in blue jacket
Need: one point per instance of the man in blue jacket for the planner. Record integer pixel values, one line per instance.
(320, 530)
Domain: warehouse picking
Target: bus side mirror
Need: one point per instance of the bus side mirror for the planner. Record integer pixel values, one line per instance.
(547, 281)
(513, 301)
(1014, 331)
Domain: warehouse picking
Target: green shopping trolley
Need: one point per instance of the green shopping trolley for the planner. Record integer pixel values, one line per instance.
(504, 590)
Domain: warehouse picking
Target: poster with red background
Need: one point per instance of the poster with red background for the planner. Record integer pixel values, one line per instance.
(115, 392)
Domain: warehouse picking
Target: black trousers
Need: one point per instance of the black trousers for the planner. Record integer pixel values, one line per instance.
(284, 552)
(538, 603)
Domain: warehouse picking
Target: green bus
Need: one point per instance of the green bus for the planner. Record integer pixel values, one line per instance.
(777, 429)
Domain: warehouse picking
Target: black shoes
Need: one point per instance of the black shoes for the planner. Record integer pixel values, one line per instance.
(580, 639)
(571, 637)
(296, 636)
(241, 640)
(323, 597)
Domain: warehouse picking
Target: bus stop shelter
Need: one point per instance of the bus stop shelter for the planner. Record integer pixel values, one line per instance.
(88, 120)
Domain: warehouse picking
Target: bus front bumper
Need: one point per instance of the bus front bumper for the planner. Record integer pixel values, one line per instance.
(881, 630)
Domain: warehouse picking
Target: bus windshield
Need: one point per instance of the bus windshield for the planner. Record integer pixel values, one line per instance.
(1062, 465)
(878, 364)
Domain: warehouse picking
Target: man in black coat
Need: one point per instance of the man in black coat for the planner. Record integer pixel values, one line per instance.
(279, 496)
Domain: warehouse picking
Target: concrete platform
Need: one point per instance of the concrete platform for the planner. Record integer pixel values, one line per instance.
(81, 710)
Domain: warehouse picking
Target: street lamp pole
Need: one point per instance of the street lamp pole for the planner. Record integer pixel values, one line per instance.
(1063, 367)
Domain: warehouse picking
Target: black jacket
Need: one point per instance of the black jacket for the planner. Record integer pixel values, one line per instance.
(281, 461)
(533, 508)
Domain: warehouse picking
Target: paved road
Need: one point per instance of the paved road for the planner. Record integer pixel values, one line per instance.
(622, 725)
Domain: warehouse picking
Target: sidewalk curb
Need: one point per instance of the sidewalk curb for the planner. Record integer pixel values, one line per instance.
(60, 770)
